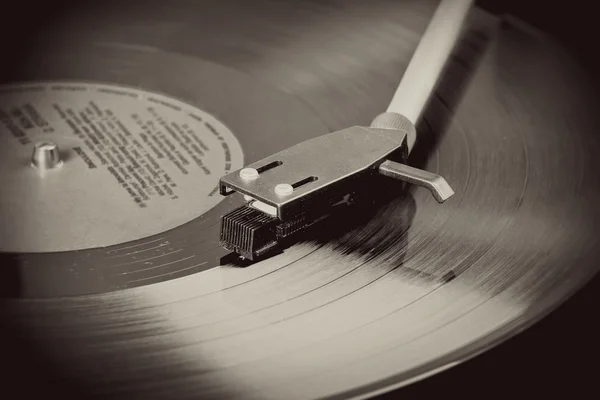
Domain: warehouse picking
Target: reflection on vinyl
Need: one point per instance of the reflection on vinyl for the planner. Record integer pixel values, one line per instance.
(402, 289)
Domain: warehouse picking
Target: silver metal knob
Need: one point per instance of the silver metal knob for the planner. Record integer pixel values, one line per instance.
(46, 155)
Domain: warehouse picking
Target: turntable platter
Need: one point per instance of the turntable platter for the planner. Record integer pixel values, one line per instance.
(408, 291)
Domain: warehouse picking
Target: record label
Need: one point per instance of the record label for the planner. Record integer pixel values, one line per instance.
(134, 164)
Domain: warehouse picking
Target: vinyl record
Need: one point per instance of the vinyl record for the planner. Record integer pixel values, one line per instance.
(124, 291)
